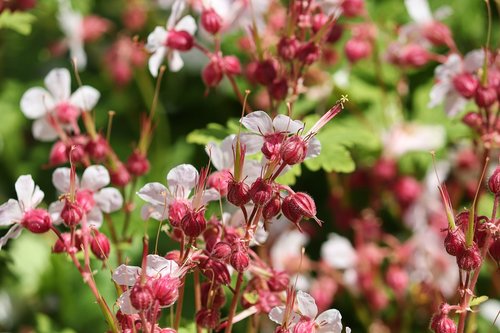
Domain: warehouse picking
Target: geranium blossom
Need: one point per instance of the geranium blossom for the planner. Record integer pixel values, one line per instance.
(91, 193)
(181, 181)
(71, 23)
(338, 252)
(57, 106)
(157, 40)
(13, 212)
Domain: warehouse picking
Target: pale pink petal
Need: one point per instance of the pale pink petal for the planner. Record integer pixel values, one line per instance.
(157, 266)
(95, 177)
(126, 305)
(338, 252)
(277, 314)
(474, 60)
(419, 10)
(13, 233)
(282, 123)
(454, 103)
(156, 39)
(438, 93)
(43, 131)
(55, 210)
(126, 275)
(29, 195)
(94, 218)
(252, 142)
(313, 148)
(329, 322)
(347, 330)
(36, 102)
(221, 154)
(109, 199)
(181, 180)
(175, 62)
(450, 68)
(210, 195)
(61, 179)
(177, 9)
(154, 193)
(10, 213)
(58, 82)
(157, 212)
(77, 52)
(306, 304)
(155, 61)
(85, 98)
(188, 24)
(259, 122)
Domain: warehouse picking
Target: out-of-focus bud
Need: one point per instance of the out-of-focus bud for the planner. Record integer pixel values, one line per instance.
(334, 34)
(94, 27)
(494, 182)
(180, 40)
(72, 213)
(318, 21)
(100, 245)
(37, 220)
(120, 175)
(397, 278)
(473, 120)
(485, 96)
(287, 48)
(211, 21)
(215, 291)
(212, 73)
(495, 250)
(208, 318)
(308, 53)
(352, 8)
(279, 89)
(266, 72)
(58, 153)
(97, 149)
(465, 84)
(414, 55)
(437, 33)
(231, 65)
(406, 190)
(357, 49)
(137, 163)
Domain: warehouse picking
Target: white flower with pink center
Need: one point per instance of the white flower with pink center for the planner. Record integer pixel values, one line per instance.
(56, 106)
(91, 194)
(306, 319)
(161, 40)
(157, 268)
(338, 252)
(174, 200)
(23, 212)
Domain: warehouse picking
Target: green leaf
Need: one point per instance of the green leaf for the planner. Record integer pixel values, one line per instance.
(213, 132)
(187, 329)
(332, 158)
(478, 300)
(17, 21)
(290, 177)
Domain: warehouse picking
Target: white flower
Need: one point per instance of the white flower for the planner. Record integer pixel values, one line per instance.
(181, 181)
(338, 252)
(156, 268)
(238, 14)
(71, 23)
(158, 38)
(29, 196)
(288, 248)
(329, 321)
(57, 104)
(489, 310)
(91, 193)
(444, 90)
(408, 137)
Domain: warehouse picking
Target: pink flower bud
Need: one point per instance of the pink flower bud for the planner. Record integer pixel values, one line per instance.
(454, 242)
(120, 175)
(293, 150)
(211, 21)
(221, 251)
(97, 149)
(240, 260)
(219, 180)
(278, 281)
(137, 163)
(215, 271)
(287, 48)
(357, 49)
(297, 206)
(443, 324)
(134, 17)
(208, 318)
(67, 113)
(166, 290)
(462, 219)
(272, 145)
(334, 34)
(385, 170)
(212, 74)
(414, 55)
(215, 292)
(72, 213)
(495, 250)
(353, 8)
(100, 245)
(36, 220)
(308, 53)
(279, 89)
(260, 192)
(180, 40)
(318, 21)
(272, 208)
(231, 65)
(194, 223)
(85, 199)
(407, 189)
(141, 296)
(470, 258)
(465, 84)
(60, 245)
(437, 33)
(485, 96)
(58, 153)
(397, 278)
(494, 182)
(473, 120)
(237, 193)
(177, 210)
(265, 72)
(94, 27)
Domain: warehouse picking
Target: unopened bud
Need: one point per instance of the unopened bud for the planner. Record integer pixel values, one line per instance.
(437, 33)
(272, 208)
(494, 182)
(240, 260)
(211, 21)
(180, 40)
(58, 153)
(141, 296)
(166, 290)
(454, 242)
(357, 49)
(473, 120)
(278, 281)
(212, 74)
(100, 245)
(36, 220)
(485, 96)
(318, 21)
(293, 150)
(297, 206)
(352, 8)
(237, 193)
(97, 149)
(221, 251)
(495, 250)
(287, 48)
(216, 293)
(266, 72)
(137, 164)
(407, 189)
(470, 258)
(215, 271)
(120, 175)
(208, 318)
(260, 192)
(194, 223)
(465, 84)
(279, 89)
(414, 55)
(308, 53)
(231, 65)
(72, 213)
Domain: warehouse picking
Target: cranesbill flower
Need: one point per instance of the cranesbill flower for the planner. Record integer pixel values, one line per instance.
(56, 106)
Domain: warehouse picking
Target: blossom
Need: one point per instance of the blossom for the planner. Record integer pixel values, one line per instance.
(165, 201)
(158, 39)
(15, 212)
(444, 89)
(91, 193)
(307, 316)
(57, 106)
(423, 19)
(338, 252)
(71, 23)
(156, 268)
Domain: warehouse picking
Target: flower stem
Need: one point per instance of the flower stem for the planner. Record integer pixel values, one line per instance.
(234, 302)
(178, 309)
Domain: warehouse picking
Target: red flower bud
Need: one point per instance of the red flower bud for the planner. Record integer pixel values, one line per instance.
(212, 74)
(60, 245)
(293, 150)
(279, 281)
(194, 223)
(308, 53)
(287, 48)
(470, 258)
(454, 242)
(120, 175)
(141, 296)
(437, 33)
(215, 271)
(36, 220)
(97, 149)
(215, 292)
(494, 182)
(334, 34)
(414, 55)
(272, 208)
(176, 211)
(260, 192)
(297, 206)
(473, 120)
(58, 153)
(231, 65)
(485, 96)
(211, 21)
(397, 278)
(279, 89)
(318, 21)
(208, 318)
(443, 324)
(100, 245)
(137, 164)
(465, 84)
(272, 145)
(240, 260)
(266, 72)
(166, 290)
(407, 189)
(237, 193)
(221, 251)
(180, 40)
(72, 213)
(357, 49)
(385, 170)
(352, 8)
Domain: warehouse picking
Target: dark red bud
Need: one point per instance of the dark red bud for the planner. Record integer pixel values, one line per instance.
(141, 296)
(473, 120)
(180, 40)
(352, 8)
(240, 260)
(221, 251)
(407, 189)
(297, 206)
(100, 245)
(293, 150)
(454, 242)
(494, 182)
(231, 65)
(137, 164)
(437, 33)
(279, 89)
(237, 193)
(485, 96)
(37, 220)
(97, 149)
(334, 34)
(211, 21)
(279, 281)
(194, 223)
(272, 208)
(266, 72)
(465, 84)
(495, 250)
(58, 153)
(287, 48)
(120, 175)
(208, 318)
(216, 292)
(260, 192)
(166, 290)
(212, 74)
(308, 53)
(72, 213)
(470, 258)
(414, 55)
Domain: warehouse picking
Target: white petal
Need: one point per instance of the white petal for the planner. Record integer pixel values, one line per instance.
(36, 102)
(95, 177)
(338, 252)
(156, 39)
(109, 199)
(306, 304)
(10, 213)
(329, 322)
(175, 62)
(126, 275)
(61, 179)
(419, 10)
(181, 180)
(258, 121)
(77, 52)
(157, 212)
(454, 103)
(154, 193)
(159, 266)
(125, 304)
(210, 195)
(473, 60)
(438, 93)
(177, 9)
(28, 194)
(277, 314)
(187, 23)
(155, 61)
(252, 142)
(43, 131)
(221, 154)
(95, 218)
(55, 210)
(347, 330)
(85, 98)
(13, 233)
(313, 148)
(58, 82)
(282, 123)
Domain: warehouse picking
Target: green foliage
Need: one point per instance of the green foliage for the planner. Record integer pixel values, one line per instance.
(20, 22)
